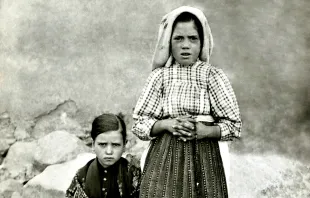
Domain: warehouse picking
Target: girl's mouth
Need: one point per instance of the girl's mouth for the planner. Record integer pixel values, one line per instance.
(185, 55)
(108, 158)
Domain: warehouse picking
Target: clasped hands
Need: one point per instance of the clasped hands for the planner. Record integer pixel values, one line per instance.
(185, 127)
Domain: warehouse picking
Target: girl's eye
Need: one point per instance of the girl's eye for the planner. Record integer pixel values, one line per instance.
(116, 145)
(178, 38)
(102, 144)
(194, 38)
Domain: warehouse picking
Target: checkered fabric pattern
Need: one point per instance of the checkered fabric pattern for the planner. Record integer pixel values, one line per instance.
(200, 89)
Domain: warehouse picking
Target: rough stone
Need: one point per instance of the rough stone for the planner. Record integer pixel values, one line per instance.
(6, 133)
(135, 149)
(18, 163)
(9, 186)
(60, 118)
(59, 176)
(4, 146)
(6, 127)
(21, 134)
(58, 147)
(16, 195)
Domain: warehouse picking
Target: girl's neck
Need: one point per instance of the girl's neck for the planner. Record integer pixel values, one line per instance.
(178, 64)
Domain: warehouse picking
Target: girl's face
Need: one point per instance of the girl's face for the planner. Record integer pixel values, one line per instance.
(109, 147)
(185, 43)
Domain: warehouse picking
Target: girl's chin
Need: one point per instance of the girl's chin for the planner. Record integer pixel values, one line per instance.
(186, 63)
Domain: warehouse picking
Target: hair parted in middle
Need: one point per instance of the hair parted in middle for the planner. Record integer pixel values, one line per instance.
(108, 122)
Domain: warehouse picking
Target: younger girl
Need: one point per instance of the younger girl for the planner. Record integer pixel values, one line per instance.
(108, 175)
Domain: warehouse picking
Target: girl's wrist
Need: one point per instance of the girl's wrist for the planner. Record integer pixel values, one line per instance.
(207, 131)
(159, 127)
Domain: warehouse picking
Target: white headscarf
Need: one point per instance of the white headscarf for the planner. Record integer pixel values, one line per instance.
(162, 56)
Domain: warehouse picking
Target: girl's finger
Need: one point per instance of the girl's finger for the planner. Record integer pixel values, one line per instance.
(186, 138)
(187, 126)
(182, 138)
(189, 119)
(184, 133)
(176, 134)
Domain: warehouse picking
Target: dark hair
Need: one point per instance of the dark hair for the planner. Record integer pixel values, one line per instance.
(187, 17)
(108, 122)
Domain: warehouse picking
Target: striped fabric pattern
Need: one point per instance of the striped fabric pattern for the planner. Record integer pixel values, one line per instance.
(183, 169)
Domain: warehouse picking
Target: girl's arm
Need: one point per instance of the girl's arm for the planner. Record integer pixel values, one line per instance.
(224, 106)
(204, 131)
(148, 122)
(148, 109)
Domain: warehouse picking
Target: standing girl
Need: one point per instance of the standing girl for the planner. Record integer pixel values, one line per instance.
(188, 110)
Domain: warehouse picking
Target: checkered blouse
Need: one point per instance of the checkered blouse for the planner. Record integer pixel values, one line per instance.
(200, 89)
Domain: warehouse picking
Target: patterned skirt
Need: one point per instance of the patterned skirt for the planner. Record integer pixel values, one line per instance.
(191, 169)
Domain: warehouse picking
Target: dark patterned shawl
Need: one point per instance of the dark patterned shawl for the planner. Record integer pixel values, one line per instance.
(87, 181)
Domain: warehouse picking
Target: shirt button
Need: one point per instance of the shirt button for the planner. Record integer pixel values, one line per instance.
(104, 179)
(103, 189)
(105, 171)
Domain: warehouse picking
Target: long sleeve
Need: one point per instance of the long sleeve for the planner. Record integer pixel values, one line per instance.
(224, 106)
(149, 108)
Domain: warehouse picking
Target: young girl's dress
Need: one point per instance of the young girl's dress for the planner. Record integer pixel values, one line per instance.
(190, 169)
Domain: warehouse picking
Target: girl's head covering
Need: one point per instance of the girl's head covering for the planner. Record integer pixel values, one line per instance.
(162, 56)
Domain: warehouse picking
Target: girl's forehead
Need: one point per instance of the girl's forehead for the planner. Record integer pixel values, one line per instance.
(110, 136)
(185, 27)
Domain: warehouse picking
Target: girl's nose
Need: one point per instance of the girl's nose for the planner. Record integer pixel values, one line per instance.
(185, 43)
(109, 150)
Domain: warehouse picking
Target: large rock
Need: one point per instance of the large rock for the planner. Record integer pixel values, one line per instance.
(19, 161)
(60, 118)
(59, 176)
(8, 187)
(58, 147)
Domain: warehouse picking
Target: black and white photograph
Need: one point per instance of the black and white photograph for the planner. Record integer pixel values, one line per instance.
(154, 99)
